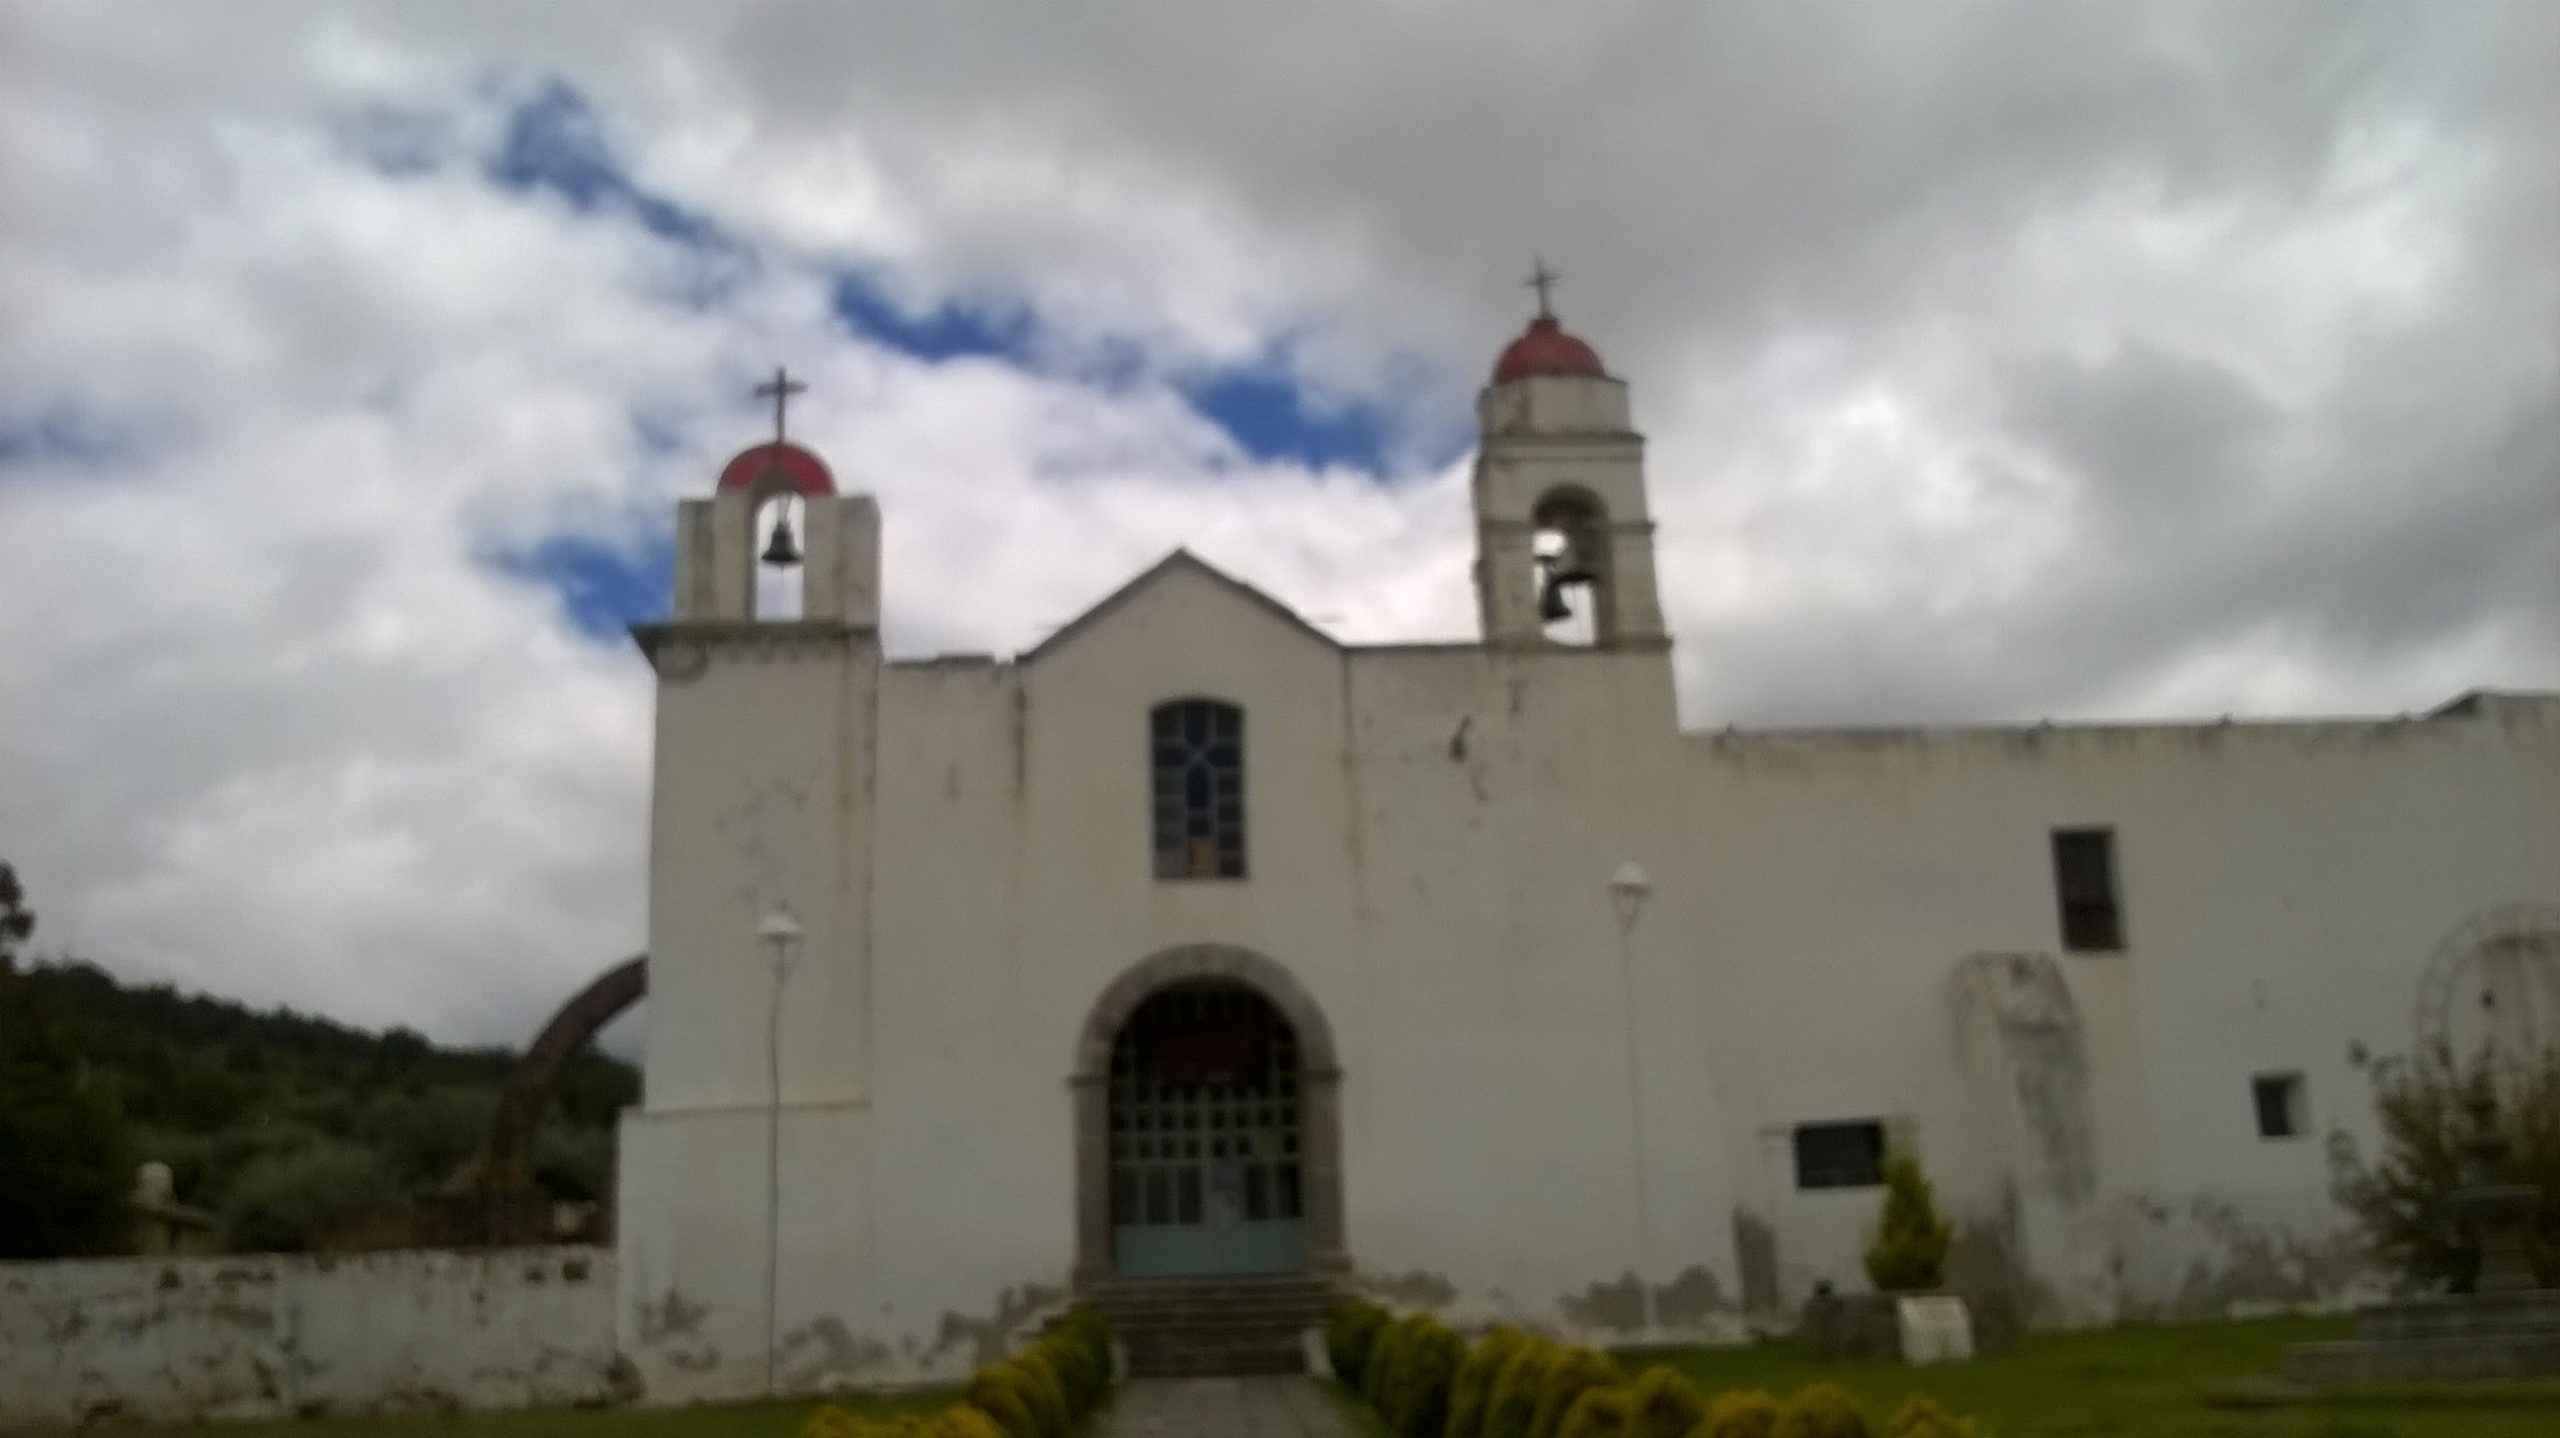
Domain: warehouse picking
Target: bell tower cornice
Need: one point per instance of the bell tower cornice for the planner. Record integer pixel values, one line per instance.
(681, 650)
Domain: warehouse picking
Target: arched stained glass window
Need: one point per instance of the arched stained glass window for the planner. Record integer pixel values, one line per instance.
(1196, 749)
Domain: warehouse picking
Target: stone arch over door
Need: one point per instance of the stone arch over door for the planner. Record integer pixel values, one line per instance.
(1319, 1078)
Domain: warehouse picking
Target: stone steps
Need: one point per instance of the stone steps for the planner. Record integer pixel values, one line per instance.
(2492, 1315)
(2424, 1360)
(1198, 1327)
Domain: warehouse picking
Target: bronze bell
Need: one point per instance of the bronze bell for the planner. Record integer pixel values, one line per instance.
(1551, 603)
(1567, 566)
(783, 551)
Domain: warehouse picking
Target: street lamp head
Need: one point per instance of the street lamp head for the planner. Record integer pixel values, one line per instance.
(778, 928)
(1629, 887)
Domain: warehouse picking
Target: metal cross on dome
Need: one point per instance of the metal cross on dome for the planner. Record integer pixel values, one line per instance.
(780, 389)
(1543, 280)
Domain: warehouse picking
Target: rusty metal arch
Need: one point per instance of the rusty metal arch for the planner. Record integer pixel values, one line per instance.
(504, 1164)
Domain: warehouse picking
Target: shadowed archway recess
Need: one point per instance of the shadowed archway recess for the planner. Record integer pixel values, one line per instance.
(1319, 1078)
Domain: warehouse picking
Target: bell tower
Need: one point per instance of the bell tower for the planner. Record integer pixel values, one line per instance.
(768, 678)
(755, 1076)
(1564, 540)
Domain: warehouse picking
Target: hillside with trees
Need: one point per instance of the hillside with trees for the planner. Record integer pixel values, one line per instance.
(295, 1131)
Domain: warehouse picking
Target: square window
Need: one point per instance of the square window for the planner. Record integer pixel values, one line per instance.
(2279, 1099)
(1840, 1155)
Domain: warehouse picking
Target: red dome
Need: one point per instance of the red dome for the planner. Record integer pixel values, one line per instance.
(799, 468)
(1545, 348)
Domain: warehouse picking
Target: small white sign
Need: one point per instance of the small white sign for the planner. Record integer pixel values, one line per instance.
(1935, 1329)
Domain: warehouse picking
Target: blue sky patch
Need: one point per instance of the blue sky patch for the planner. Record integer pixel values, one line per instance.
(1269, 415)
(605, 588)
(555, 144)
(68, 434)
(949, 331)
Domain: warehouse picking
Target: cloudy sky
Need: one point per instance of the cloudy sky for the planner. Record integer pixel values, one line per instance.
(2000, 361)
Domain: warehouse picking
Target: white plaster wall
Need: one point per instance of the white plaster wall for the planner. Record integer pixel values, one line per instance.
(762, 796)
(190, 1339)
(2283, 884)
(1431, 830)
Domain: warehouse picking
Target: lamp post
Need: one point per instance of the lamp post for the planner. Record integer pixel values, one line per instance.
(780, 934)
(1629, 887)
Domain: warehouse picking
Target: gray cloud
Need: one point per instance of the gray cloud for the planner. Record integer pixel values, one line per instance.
(2000, 360)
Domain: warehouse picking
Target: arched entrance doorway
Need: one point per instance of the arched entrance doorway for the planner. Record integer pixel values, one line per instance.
(1208, 1140)
(1205, 1136)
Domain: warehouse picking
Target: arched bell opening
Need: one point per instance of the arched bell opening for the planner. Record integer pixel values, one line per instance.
(1569, 545)
(1208, 1133)
(780, 530)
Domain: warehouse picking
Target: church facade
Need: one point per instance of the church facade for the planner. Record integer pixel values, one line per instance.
(1194, 942)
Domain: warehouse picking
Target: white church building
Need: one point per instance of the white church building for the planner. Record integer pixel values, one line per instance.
(1194, 943)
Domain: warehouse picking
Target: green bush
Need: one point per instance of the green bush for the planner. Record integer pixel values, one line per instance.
(1820, 1410)
(1349, 1335)
(1667, 1405)
(1921, 1417)
(1418, 1394)
(996, 1390)
(1572, 1373)
(1517, 1386)
(1472, 1390)
(1071, 1363)
(1386, 1358)
(1041, 1392)
(1608, 1412)
(1074, 1355)
(2441, 1117)
(1047, 1396)
(287, 1202)
(1738, 1413)
(962, 1421)
(1909, 1251)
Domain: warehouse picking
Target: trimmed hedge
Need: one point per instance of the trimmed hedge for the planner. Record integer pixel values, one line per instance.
(1427, 1382)
(1471, 1392)
(1044, 1391)
(1427, 1367)
(1349, 1334)
(1921, 1417)
(1820, 1410)
(1571, 1373)
(1666, 1404)
(1608, 1411)
(1739, 1413)
(1517, 1387)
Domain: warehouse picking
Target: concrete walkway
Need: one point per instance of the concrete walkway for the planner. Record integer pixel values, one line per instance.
(1290, 1407)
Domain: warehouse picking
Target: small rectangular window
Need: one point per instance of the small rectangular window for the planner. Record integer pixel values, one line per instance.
(1840, 1155)
(2280, 1105)
(2084, 882)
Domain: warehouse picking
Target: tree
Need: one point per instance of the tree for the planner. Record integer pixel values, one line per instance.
(17, 921)
(2441, 1120)
(65, 1164)
(291, 1200)
(1909, 1252)
(64, 1160)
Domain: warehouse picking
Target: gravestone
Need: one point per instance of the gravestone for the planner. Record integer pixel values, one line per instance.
(1934, 1328)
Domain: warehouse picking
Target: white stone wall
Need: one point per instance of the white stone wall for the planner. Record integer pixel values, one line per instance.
(1844, 926)
(181, 1340)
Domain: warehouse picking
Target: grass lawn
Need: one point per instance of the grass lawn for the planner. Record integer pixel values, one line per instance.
(2141, 1383)
(739, 1420)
